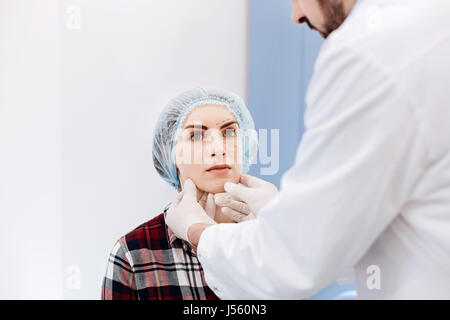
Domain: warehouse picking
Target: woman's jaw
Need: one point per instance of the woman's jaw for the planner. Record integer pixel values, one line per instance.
(219, 217)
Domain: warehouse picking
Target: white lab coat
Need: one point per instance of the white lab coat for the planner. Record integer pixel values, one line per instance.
(370, 186)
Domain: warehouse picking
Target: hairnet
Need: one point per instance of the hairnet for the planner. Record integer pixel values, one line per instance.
(172, 118)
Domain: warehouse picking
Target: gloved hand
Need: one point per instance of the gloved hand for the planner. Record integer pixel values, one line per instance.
(208, 204)
(185, 211)
(206, 201)
(234, 208)
(243, 201)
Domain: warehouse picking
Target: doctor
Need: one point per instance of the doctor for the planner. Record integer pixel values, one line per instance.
(370, 187)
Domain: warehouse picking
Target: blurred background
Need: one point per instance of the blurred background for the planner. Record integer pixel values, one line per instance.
(82, 83)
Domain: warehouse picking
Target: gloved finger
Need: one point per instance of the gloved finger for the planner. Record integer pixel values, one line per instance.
(222, 199)
(239, 191)
(250, 181)
(180, 195)
(227, 200)
(234, 215)
(190, 190)
(210, 207)
(254, 182)
(203, 199)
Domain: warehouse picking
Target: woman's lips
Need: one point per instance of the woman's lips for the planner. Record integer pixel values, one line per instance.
(221, 168)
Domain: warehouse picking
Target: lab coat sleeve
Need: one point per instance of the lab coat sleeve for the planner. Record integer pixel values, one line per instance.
(359, 158)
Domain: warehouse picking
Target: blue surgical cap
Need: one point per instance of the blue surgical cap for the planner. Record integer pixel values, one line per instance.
(172, 118)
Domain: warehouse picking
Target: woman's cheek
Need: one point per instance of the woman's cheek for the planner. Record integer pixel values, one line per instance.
(234, 152)
(180, 154)
(237, 161)
(238, 154)
(188, 153)
(186, 162)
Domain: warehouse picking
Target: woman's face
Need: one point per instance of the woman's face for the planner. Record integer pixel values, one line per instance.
(209, 148)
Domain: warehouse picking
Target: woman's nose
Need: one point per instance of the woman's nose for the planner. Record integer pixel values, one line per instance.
(216, 147)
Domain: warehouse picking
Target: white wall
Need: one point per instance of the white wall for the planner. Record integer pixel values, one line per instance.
(30, 151)
(80, 95)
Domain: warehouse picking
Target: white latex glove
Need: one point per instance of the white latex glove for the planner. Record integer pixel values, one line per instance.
(208, 204)
(232, 207)
(206, 201)
(243, 201)
(185, 211)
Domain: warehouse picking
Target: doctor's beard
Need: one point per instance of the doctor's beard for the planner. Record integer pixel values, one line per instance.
(334, 14)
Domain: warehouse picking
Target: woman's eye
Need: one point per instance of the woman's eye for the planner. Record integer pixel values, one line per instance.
(196, 135)
(230, 133)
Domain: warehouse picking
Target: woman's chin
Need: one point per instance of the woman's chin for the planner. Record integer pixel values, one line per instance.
(213, 187)
(218, 185)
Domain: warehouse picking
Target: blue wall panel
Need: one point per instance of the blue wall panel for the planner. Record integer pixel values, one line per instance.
(281, 60)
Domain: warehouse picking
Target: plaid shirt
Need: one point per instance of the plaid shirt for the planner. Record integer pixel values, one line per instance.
(151, 263)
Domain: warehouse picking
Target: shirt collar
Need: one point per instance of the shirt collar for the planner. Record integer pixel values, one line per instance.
(171, 236)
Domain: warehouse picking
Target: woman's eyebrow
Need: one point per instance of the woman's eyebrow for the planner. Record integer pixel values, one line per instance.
(227, 124)
(196, 126)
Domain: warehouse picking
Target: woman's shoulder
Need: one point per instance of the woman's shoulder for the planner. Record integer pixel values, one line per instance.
(148, 235)
(154, 223)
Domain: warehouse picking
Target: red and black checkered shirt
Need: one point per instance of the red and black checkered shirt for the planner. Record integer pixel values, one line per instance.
(151, 263)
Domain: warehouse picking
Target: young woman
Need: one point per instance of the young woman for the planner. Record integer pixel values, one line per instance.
(206, 135)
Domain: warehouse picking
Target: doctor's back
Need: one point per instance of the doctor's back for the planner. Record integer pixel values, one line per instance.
(370, 186)
(404, 47)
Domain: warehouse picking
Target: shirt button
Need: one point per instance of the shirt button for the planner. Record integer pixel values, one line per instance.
(216, 289)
